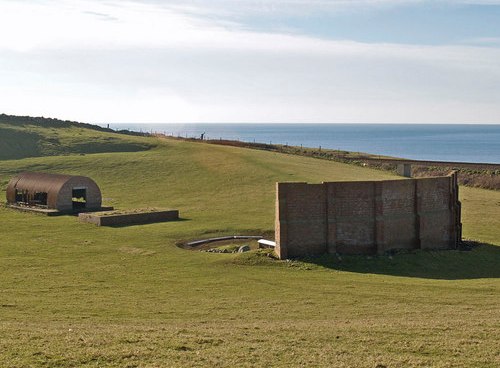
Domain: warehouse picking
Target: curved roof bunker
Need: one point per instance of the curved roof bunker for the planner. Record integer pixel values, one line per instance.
(65, 193)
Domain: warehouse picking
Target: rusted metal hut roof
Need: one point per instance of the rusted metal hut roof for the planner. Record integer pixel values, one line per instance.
(38, 182)
(53, 185)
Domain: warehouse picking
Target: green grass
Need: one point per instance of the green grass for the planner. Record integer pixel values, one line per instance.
(76, 295)
(21, 141)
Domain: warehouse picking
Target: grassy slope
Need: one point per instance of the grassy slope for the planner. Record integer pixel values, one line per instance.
(34, 138)
(76, 295)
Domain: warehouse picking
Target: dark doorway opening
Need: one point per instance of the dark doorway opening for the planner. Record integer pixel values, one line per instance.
(40, 199)
(79, 198)
(20, 196)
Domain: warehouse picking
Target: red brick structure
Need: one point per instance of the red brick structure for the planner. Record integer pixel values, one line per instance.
(367, 217)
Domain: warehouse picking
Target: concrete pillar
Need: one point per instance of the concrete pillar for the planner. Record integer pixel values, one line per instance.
(379, 218)
(281, 222)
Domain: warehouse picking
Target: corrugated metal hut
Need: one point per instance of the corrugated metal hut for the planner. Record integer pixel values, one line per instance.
(65, 193)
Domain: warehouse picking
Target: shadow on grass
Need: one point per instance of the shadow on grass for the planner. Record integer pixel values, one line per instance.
(480, 260)
(149, 223)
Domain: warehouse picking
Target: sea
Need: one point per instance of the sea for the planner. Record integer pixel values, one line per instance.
(478, 143)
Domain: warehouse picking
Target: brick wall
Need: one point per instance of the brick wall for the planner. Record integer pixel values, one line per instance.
(367, 217)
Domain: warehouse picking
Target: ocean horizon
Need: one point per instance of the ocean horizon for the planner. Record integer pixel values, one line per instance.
(436, 142)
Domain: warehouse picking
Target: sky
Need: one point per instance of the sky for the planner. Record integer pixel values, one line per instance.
(276, 61)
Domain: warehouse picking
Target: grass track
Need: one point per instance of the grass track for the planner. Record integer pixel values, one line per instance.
(76, 295)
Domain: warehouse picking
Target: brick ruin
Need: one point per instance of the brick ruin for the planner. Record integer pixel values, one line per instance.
(367, 217)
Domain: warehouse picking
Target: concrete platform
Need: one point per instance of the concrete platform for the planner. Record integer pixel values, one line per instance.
(37, 210)
(129, 217)
(49, 211)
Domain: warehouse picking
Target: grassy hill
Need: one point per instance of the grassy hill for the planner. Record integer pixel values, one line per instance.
(22, 136)
(74, 295)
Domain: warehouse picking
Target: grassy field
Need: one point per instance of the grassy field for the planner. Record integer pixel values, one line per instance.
(75, 295)
(47, 138)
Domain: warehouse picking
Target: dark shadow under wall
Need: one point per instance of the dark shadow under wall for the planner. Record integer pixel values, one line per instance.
(478, 260)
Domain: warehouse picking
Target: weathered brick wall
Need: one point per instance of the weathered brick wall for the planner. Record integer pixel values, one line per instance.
(351, 217)
(301, 214)
(367, 217)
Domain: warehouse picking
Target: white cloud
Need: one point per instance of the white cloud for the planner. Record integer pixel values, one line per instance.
(483, 41)
(153, 62)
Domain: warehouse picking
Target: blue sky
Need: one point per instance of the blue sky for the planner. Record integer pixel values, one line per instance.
(412, 23)
(252, 60)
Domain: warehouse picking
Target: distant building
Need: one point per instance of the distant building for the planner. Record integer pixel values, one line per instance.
(65, 193)
(404, 170)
